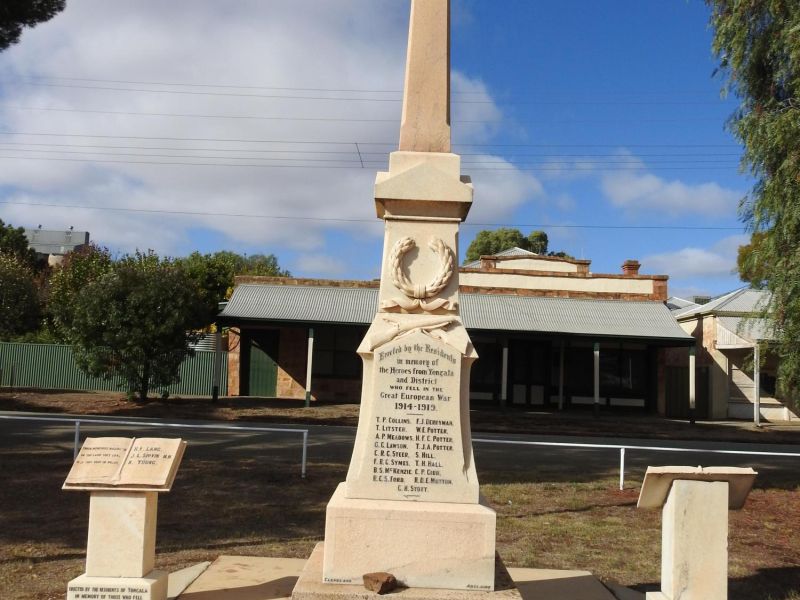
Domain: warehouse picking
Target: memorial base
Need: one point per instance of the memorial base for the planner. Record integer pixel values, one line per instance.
(310, 587)
(152, 586)
(423, 544)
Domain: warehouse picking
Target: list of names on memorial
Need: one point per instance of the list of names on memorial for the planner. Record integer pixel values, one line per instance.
(126, 463)
(415, 435)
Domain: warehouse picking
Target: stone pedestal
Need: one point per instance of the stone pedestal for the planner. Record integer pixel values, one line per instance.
(120, 551)
(694, 542)
(122, 534)
(694, 530)
(310, 586)
(423, 544)
(153, 586)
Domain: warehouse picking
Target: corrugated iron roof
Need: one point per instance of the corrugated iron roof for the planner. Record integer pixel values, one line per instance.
(515, 251)
(675, 304)
(754, 329)
(741, 301)
(496, 312)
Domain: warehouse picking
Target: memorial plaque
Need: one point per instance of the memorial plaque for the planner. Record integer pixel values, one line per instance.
(126, 464)
(415, 447)
(151, 587)
(107, 592)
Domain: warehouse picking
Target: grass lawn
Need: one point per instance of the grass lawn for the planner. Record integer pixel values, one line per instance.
(223, 503)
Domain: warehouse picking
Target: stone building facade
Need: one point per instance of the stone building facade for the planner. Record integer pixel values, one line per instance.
(538, 323)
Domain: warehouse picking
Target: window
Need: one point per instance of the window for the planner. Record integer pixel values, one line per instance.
(335, 352)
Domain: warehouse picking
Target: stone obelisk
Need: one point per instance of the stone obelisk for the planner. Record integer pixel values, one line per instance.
(410, 505)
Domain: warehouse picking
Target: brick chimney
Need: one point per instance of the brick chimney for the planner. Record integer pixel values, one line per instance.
(630, 268)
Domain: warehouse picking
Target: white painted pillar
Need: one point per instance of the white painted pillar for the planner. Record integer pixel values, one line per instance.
(561, 377)
(757, 384)
(692, 383)
(596, 378)
(216, 375)
(309, 363)
(504, 376)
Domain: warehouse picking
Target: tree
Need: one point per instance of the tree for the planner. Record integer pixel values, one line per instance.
(13, 241)
(80, 268)
(214, 275)
(758, 45)
(748, 264)
(20, 308)
(537, 242)
(16, 14)
(133, 322)
(489, 242)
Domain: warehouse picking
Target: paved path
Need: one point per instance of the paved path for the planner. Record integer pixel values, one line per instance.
(330, 444)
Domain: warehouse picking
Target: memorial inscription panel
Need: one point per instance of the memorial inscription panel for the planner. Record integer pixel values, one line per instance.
(126, 464)
(415, 430)
(83, 591)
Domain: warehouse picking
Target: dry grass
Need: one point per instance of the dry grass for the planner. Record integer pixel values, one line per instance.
(227, 500)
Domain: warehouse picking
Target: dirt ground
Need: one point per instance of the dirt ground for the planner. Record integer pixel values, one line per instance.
(512, 420)
(228, 501)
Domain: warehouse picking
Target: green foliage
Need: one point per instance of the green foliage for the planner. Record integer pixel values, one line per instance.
(213, 274)
(80, 268)
(489, 242)
(16, 14)
(748, 262)
(133, 321)
(13, 241)
(20, 308)
(537, 242)
(758, 45)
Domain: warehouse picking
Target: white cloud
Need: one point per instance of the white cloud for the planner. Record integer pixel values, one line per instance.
(640, 191)
(319, 265)
(347, 44)
(719, 260)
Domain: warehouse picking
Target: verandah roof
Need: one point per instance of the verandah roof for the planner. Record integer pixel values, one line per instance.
(489, 312)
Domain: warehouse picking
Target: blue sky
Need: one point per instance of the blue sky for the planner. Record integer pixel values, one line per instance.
(183, 125)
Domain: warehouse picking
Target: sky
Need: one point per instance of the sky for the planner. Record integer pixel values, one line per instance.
(258, 126)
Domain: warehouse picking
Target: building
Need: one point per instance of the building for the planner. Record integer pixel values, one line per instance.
(548, 331)
(53, 245)
(730, 376)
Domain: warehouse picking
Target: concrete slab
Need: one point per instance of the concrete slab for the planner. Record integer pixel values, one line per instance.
(246, 578)
(310, 587)
(180, 580)
(257, 578)
(623, 593)
(551, 584)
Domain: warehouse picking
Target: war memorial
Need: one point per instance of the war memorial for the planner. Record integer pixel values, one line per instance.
(409, 519)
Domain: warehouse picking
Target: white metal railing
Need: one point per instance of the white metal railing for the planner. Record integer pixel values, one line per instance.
(623, 448)
(146, 424)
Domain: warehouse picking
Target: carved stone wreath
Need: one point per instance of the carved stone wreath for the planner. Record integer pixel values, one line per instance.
(420, 294)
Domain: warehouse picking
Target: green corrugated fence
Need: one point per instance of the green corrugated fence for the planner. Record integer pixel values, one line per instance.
(52, 366)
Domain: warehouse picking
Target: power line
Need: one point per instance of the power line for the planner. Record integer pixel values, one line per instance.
(346, 119)
(545, 168)
(497, 101)
(346, 143)
(342, 220)
(201, 116)
(352, 152)
(357, 156)
(304, 89)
